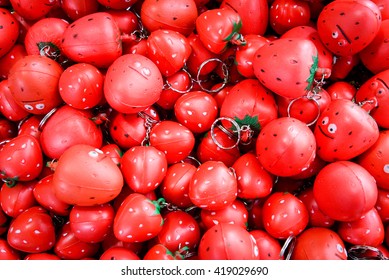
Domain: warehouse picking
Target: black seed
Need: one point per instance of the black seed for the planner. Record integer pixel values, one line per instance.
(174, 18)
(90, 19)
(350, 133)
(266, 148)
(356, 38)
(92, 197)
(275, 135)
(207, 249)
(126, 135)
(278, 79)
(75, 36)
(342, 13)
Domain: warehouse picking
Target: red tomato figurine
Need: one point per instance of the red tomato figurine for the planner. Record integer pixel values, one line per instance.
(228, 242)
(318, 243)
(286, 147)
(345, 191)
(85, 176)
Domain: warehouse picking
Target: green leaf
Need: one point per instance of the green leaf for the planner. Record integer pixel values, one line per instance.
(251, 121)
(312, 72)
(236, 27)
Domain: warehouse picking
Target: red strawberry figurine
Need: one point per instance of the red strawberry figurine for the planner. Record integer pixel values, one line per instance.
(374, 95)
(218, 27)
(348, 26)
(287, 66)
(344, 130)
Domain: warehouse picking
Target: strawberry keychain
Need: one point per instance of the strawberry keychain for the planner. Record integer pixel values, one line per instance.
(374, 96)
(288, 66)
(344, 130)
(340, 25)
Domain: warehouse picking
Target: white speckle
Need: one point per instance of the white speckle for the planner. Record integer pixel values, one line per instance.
(24, 146)
(18, 231)
(37, 231)
(282, 201)
(386, 168)
(140, 225)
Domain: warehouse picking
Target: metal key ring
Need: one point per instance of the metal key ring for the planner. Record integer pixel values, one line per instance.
(225, 74)
(226, 131)
(311, 98)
